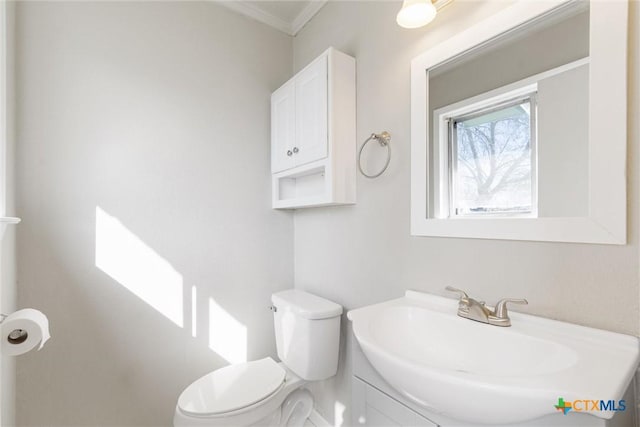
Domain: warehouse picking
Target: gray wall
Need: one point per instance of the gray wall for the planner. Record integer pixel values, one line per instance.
(8, 288)
(362, 254)
(563, 151)
(508, 61)
(158, 114)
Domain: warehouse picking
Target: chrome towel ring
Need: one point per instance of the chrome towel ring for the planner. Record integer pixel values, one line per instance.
(383, 139)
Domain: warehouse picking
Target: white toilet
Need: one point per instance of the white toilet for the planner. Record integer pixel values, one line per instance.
(264, 392)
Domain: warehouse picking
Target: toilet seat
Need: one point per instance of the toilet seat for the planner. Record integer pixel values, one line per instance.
(232, 388)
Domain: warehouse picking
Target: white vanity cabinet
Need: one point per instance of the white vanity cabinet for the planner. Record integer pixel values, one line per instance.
(313, 135)
(372, 407)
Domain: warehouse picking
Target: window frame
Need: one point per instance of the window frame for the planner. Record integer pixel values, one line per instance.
(450, 139)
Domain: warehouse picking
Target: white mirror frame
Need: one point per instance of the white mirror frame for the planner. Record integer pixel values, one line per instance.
(607, 217)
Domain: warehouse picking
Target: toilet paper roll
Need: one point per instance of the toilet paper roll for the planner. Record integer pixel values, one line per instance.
(23, 330)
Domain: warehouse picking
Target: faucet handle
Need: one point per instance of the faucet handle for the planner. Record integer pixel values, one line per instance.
(463, 294)
(500, 311)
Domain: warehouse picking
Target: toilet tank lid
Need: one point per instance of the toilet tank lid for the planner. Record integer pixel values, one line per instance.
(305, 304)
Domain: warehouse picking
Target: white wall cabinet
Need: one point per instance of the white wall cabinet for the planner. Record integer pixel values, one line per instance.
(311, 112)
(283, 127)
(313, 135)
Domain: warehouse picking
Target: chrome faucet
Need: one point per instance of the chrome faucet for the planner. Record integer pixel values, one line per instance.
(469, 308)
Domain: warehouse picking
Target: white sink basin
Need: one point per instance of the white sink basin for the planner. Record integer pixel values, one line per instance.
(481, 373)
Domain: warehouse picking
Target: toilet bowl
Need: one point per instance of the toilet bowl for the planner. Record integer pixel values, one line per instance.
(264, 392)
(260, 393)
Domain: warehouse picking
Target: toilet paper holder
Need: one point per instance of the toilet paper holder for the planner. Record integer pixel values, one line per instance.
(23, 331)
(17, 336)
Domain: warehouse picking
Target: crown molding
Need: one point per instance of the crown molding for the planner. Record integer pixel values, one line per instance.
(258, 14)
(306, 14)
(290, 28)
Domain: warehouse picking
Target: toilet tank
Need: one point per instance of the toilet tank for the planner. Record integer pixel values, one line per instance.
(307, 333)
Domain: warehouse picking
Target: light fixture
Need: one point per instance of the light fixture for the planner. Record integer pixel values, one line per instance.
(416, 13)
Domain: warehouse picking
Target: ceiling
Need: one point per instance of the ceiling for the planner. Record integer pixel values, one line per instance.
(287, 16)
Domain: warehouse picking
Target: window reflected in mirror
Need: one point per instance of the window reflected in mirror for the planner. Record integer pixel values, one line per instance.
(509, 123)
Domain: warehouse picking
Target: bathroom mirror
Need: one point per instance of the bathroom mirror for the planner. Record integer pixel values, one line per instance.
(519, 127)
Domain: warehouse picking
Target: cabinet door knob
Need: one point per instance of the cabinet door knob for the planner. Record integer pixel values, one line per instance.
(295, 150)
(289, 153)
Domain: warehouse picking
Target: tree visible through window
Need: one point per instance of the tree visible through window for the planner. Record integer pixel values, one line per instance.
(492, 160)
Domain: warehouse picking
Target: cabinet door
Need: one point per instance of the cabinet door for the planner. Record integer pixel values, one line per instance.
(283, 127)
(311, 113)
(373, 408)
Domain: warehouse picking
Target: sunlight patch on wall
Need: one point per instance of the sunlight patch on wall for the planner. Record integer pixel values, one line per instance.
(194, 311)
(129, 261)
(227, 336)
(338, 411)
